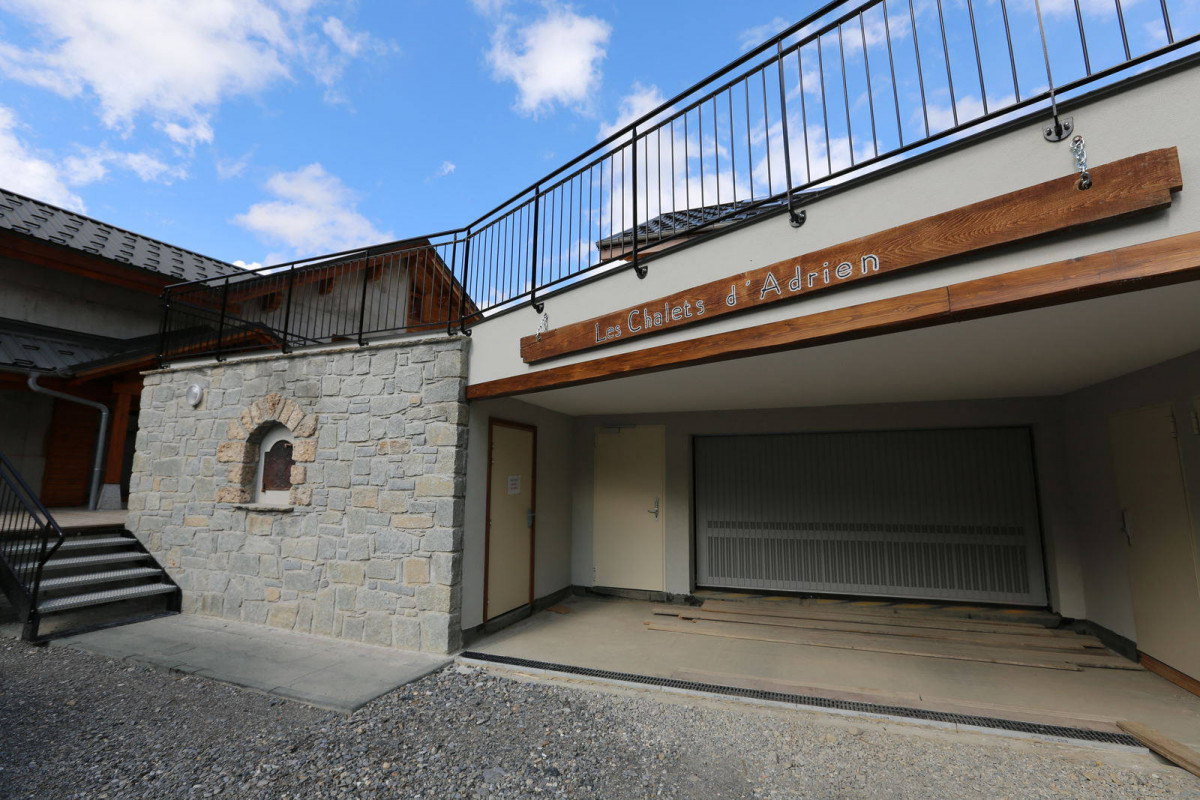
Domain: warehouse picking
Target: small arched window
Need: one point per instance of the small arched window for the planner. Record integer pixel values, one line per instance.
(273, 483)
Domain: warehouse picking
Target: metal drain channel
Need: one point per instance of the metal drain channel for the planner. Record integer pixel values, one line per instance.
(1057, 731)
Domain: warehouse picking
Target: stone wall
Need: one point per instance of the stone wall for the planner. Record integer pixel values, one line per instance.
(370, 548)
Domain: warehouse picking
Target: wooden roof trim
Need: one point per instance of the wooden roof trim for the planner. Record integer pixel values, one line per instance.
(1141, 266)
(96, 267)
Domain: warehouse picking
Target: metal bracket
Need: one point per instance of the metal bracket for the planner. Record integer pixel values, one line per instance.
(642, 271)
(538, 307)
(797, 218)
(1061, 129)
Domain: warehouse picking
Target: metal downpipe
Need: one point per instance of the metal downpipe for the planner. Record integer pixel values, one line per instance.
(101, 437)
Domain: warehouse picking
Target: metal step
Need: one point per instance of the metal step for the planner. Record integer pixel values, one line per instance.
(109, 576)
(87, 561)
(82, 542)
(100, 598)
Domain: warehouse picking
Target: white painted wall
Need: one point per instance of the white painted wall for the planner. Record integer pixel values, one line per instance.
(1148, 117)
(62, 300)
(552, 548)
(1093, 492)
(1043, 415)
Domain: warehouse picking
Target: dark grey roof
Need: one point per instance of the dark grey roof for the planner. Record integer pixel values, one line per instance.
(24, 345)
(673, 223)
(58, 226)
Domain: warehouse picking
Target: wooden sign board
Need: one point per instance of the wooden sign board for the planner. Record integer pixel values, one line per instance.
(1138, 183)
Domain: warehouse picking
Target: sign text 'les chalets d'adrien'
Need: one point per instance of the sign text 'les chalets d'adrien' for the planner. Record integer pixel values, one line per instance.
(1138, 183)
(643, 318)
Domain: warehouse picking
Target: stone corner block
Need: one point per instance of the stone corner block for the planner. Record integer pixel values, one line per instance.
(236, 452)
(305, 450)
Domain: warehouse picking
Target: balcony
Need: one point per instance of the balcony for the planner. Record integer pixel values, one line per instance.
(851, 92)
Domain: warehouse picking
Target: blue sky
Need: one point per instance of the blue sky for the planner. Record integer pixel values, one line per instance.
(264, 130)
(261, 130)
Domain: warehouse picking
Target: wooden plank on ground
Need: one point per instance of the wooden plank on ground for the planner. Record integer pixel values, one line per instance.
(810, 612)
(1038, 715)
(1178, 754)
(861, 641)
(889, 612)
(871, 645)
(1081, 643)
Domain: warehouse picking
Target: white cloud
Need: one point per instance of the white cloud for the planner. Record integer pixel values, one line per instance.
(752, 37)
(173, 61)
(314, 212)
(25, 173)
(1104, 8)
(328, 64)
(93, 164)
(553, 61)
(233, 167)
(252, 265)
(447, 168)
(346, 40)
(640, 101)
(489, 8)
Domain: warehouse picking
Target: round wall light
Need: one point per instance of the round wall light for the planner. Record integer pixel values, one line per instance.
(195, 393)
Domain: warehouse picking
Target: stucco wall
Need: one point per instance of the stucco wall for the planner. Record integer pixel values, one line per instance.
(1103, 549)
(1007, 162)
(1042, 415)
(552, 544)
(372, 549)
(24, 420)
(62, 300)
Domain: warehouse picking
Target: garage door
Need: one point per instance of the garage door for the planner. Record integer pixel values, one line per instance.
(942, 514)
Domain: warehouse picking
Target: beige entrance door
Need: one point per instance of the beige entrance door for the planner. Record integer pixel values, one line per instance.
(508, 579)
(627, 533)
(1163, 572)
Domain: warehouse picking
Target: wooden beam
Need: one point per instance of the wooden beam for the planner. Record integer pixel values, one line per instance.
(1127, 269)
(893, 314)
(114, 453)
(1170, 673)
(1130, 185)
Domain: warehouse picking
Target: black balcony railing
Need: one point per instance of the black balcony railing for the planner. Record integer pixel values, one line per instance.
(852, 90)
(29, 536)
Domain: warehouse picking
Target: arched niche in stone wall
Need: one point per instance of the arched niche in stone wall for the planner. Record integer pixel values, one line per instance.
(271, 434)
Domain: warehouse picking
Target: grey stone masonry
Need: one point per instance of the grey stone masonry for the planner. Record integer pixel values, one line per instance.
(370, 546)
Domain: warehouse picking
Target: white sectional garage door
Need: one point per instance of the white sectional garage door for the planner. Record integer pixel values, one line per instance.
(936, 514)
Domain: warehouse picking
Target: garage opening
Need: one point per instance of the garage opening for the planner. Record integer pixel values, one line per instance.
(928, 514)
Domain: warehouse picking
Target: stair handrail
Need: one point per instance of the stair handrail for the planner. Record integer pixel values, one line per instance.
(43, 520)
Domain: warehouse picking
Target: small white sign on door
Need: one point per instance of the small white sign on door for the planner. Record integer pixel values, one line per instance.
(514, 484)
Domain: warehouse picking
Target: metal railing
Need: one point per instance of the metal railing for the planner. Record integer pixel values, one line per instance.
(29, 536)
(854, 89)
(408, 286)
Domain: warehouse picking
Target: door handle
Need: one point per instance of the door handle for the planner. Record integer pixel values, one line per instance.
(529, 515)
(654, 510)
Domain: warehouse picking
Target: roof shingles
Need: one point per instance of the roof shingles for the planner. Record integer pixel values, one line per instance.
(39, 220)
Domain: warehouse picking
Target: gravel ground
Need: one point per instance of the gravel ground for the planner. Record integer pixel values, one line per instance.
(80, 726)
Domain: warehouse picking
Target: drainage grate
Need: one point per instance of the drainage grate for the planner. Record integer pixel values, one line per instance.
(1058, 731)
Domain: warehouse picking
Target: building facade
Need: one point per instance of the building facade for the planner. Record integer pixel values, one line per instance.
(962, 369)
